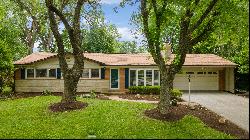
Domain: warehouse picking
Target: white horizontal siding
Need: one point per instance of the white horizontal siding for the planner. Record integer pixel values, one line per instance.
(56, 85)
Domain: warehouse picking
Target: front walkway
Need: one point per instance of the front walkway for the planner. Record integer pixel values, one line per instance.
(232, 107)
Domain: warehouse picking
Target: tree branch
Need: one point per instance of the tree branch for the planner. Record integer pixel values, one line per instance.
(145, 16)
(145, 13)
(158, 22)
(207, 29)
(204, 15)
(58, 37)
(203, 35)
(52, 8)
(76, 22)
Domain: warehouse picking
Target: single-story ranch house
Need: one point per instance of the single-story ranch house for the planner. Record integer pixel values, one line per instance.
(114, 73)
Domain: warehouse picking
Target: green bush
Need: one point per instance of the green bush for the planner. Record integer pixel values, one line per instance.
(92, 94)
(46, 92)
(6, 91)
(176, 93)
(173, 102)
(144, 90)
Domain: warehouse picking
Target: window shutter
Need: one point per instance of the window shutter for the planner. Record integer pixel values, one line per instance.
(126, 77)
(22, 73)
(102, 73)
(58, 73)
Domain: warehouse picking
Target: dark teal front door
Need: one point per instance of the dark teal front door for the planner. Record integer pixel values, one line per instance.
(114, 80)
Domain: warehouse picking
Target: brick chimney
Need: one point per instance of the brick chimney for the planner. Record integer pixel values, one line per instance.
(167, 51)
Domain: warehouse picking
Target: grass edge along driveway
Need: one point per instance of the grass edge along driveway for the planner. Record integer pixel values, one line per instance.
(30, 118)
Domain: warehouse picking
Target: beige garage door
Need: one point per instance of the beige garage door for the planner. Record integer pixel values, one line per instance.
(200, 80)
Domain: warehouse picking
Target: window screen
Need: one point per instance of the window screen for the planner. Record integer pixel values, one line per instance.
(52, 72)
(41, 72)
(30, 73)
(95, 73)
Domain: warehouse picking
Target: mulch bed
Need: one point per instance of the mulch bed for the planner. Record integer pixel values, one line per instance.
(244, 95)
(142, 97)
(33, 94)
(61, 107)
(208, 117)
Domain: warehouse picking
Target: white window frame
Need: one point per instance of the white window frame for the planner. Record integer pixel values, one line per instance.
(154, 77)
(47, 71)
(136, 79)
(47, 76)
(146, 77)
(26, 73)
(118, 78)
(90, 74)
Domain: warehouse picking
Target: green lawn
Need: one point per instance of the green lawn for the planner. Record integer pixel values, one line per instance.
(30, 118)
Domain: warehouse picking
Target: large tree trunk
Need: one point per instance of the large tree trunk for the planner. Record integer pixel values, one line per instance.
(70, 86)
(71, 75)
(166, 87)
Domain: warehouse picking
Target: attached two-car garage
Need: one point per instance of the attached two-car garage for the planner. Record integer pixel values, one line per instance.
(200, 80)
(206, 78)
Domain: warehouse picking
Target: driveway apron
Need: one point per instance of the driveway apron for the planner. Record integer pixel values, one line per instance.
(232, 107)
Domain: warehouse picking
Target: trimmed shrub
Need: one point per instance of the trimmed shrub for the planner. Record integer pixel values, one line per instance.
(92, 94)
(176, 93)
(144, 90)
(46, 92)
(6, 91)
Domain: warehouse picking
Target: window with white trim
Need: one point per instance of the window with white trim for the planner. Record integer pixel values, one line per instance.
(85, 73)
(144, 77)
(95, 73)
(52, 73)
(132, 77)
(140, 78)
(149, 77)
(41, 73)
(156, 78)
(91, 73)
(30, 73)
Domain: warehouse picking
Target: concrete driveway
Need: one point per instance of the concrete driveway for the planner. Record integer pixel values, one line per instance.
(232, 107)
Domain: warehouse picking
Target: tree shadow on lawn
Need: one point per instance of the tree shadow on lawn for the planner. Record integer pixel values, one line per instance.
(210, 118)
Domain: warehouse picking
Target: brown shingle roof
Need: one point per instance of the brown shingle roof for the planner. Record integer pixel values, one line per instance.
(34, 57)
(134, 59)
